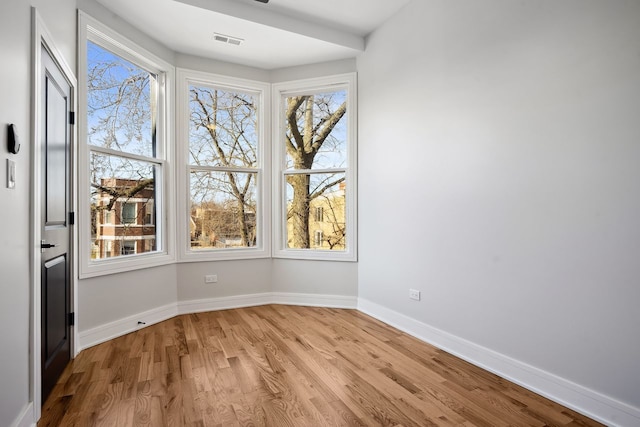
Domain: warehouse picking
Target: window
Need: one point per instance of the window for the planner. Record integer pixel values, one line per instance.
(108, 217)
(129, 214)
(124, 172)
(121, 135)
(128, 247)
(108, 248)
(315, 149)
(149, 214)
(224, 159)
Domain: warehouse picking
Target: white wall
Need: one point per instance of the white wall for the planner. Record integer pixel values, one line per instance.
(242, 277)
(309, 71)
(208, 65)
(315, 277)
(14, 215)
(15, 90)
(109, 298)
(124, 28)
(499, 174)
(247, 277)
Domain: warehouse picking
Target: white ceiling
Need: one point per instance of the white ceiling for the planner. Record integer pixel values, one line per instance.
(279, 34)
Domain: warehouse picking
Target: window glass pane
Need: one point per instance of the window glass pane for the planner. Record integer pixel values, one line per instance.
(150, 213)
(316, 131)
(129, 213)
(223, 210)
(128, 247)
(222, 128)
(316, 211)
(108, 217)
(121, 106)
(126, 187)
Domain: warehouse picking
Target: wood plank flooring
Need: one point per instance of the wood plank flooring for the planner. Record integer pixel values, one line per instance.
(286, 366)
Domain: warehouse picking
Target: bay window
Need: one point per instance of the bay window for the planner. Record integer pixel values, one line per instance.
(239, 188)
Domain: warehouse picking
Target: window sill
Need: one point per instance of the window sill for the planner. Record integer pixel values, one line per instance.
(206, 255)
(123, 264)
(316, 255)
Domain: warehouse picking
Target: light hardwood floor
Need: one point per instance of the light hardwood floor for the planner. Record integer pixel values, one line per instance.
(286, 366)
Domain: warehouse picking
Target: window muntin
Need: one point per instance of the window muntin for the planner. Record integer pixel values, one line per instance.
(224, 168)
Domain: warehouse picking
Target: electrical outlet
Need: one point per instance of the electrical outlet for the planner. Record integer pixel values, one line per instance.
(414, 294)
(211, 278)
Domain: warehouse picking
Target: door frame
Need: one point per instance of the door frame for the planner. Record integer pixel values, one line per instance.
(41, 37)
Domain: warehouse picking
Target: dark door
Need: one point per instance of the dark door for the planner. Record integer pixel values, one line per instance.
(55, 248)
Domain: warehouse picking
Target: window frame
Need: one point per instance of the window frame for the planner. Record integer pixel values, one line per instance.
(184, 79)
(280, 91)
(89, 29)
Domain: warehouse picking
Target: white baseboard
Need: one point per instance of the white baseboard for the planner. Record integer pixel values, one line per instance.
(252, 300)
(223, 303)
(25, 419)
(314, 300)
(124, 326)
(581, 399)
(128, 324)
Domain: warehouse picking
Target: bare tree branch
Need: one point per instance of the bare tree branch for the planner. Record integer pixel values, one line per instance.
(125, 192)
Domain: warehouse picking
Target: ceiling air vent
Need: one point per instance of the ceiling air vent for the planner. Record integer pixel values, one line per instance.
(227, 39)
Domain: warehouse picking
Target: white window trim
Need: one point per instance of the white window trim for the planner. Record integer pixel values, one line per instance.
(279, 91)
(262, 249)
(91, 29)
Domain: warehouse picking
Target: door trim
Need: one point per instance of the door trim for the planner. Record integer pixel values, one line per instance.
(42, 37)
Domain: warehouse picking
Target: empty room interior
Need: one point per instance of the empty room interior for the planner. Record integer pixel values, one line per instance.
(320, 212)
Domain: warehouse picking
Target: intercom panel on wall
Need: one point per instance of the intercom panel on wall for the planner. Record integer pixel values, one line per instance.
(13, 144)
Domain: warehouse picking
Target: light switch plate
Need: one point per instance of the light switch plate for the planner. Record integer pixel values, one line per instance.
(11, 174)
